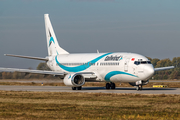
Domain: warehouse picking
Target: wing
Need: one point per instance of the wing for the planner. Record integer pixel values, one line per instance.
(32, 71)
(89, 76)
(163, 68)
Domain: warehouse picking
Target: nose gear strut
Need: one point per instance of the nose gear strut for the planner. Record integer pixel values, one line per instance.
(139, 87)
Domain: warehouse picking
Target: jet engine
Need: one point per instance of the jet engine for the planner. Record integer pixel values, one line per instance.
(139, 83)
(74, 80)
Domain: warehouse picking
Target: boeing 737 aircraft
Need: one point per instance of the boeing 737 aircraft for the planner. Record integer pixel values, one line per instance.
(76, 69)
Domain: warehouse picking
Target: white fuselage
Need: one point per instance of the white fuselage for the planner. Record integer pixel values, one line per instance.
(108, 67)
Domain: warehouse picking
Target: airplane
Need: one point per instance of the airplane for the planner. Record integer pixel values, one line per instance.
(77, 69)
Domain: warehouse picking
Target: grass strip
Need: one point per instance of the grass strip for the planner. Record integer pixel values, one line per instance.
(87, 106)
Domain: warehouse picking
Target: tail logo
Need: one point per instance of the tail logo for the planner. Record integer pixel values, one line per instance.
(51, 40)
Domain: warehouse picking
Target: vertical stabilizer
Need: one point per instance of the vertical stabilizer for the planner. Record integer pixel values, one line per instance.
(52, 43)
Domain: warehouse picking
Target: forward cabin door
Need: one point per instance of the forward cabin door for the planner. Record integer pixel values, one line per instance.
(126, 63)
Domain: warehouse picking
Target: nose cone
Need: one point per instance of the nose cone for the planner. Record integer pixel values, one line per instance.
(149, 71)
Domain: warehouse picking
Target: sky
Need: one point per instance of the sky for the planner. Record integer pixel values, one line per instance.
(147, 27)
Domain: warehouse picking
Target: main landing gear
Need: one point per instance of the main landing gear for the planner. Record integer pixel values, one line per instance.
(77, 88)
(110, 85)
(139, 87)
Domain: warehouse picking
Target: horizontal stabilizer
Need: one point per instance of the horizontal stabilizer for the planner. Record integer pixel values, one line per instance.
(163, 68)
(45, 72)
(28, 57)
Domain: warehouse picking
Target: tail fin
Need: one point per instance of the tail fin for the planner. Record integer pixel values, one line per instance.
(52, 43)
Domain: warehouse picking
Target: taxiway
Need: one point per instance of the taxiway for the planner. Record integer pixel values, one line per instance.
(91, 89)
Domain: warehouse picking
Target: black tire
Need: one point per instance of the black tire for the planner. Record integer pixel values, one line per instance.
(108, 86)
(113, 86)
(73, 88)
(141, 87)
(79, 88)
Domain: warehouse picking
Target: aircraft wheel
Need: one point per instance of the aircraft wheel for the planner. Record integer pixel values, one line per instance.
(113, 86)
(79, 88)
(73, 88)
(141, 87)
(137, 88)
(108, 86)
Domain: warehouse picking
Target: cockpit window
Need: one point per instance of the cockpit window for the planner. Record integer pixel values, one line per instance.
(137, 62)
(142, 62)
(148, 62)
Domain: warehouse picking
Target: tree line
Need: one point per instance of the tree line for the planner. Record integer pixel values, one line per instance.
(160, 75)
(20, 75)
(166, 74)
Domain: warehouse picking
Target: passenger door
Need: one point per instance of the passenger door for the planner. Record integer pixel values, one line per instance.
(126, 63)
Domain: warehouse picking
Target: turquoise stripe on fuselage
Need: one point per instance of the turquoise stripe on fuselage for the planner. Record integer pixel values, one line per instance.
(81, 67)
(112, 73)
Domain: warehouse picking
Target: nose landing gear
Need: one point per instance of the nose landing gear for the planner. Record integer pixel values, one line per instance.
(110, 85)
(139, 87)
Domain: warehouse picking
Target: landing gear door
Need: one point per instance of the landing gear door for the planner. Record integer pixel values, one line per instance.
(126, 63)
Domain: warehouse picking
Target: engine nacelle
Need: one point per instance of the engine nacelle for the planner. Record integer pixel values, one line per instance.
(139, 83)
(74, 80)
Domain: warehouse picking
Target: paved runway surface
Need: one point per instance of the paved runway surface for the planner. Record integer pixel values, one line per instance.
(91, 89)
(61, 81)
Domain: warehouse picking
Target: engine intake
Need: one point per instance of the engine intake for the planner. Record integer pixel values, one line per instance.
(74, 80)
